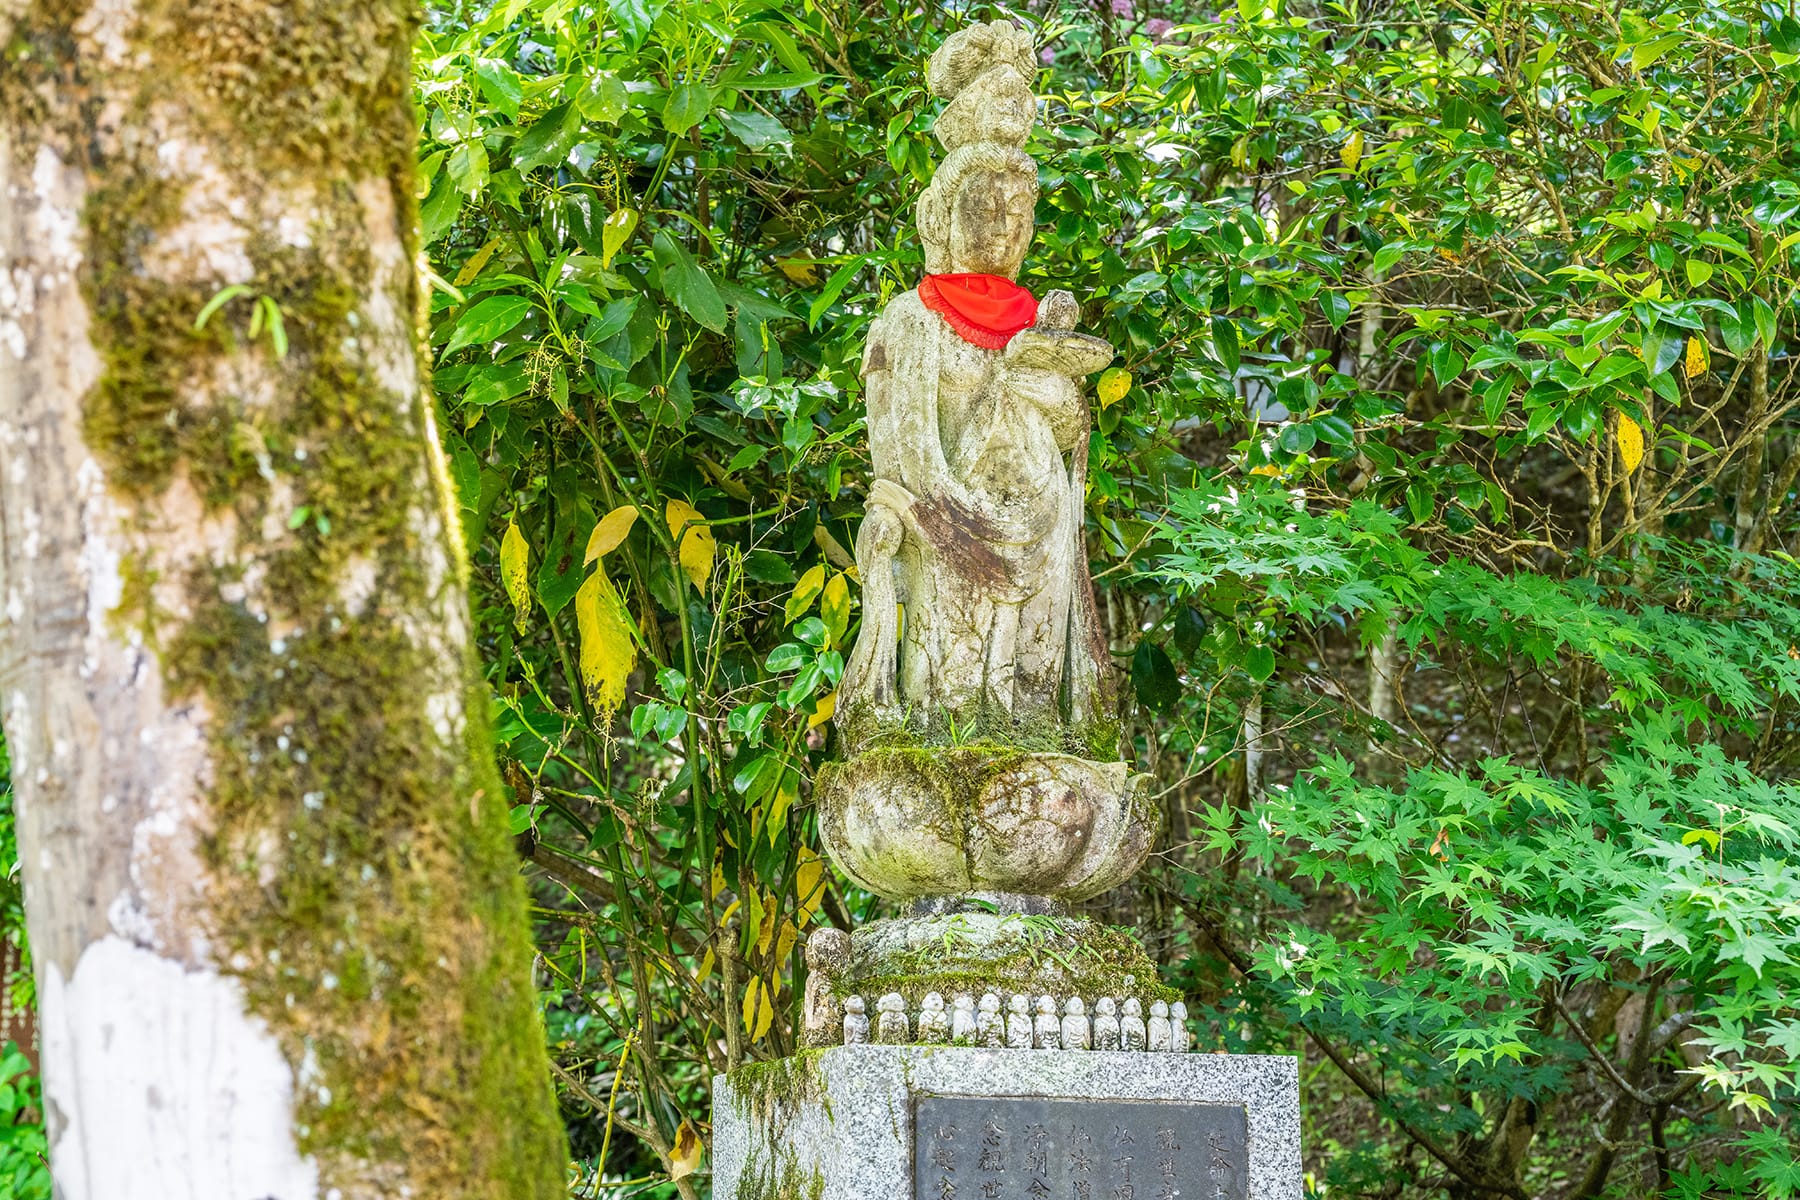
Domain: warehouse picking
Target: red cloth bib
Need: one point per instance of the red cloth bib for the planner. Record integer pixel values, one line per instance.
(984, 310)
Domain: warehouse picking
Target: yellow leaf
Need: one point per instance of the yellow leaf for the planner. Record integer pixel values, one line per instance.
(753, 914)
(1114, 383)
(1697, 357)
(759, 1010)
(834, 607)
(697, 544)
(766, 935)
(614, 231)
(684, 1159)
(1631, 443)
(610, 532)
(1269, 469)
(802, 271)
(784, 941)
(515, 556)
(786, 792)
(706, 968)
(810, 585)
(822, 711)
(478, 260)
(1351, 152)
(607, 651)
(809, 884)
(718, 876)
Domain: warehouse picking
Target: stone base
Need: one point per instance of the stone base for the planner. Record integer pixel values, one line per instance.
(839, 1124)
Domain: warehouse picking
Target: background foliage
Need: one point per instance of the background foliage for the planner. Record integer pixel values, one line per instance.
(1442, 531)
(1443, 528)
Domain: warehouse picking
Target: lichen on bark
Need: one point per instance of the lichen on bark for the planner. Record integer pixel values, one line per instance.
(361, 884)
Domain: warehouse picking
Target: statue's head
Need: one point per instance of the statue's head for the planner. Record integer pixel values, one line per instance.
(977, 215)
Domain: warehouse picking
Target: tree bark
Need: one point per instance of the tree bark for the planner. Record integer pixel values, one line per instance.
(279, 934)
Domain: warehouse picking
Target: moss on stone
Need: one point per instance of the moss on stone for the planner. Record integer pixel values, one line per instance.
(781, 1176)
(1064, 957)
(1036, 733)
(768, 1097)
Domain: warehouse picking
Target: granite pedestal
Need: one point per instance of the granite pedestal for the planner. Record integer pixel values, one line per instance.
(872, 1122)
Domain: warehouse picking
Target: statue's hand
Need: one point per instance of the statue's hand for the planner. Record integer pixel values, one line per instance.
(1073, 354)
(1058, 310)
(885, 493)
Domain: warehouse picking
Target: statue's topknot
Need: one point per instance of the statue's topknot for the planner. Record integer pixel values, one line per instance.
(970, 53)
(985, 72)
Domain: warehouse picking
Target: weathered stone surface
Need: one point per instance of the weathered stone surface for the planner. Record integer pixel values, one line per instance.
(1015, 961)
(975, 518)
(839, 1124)
(908, 821)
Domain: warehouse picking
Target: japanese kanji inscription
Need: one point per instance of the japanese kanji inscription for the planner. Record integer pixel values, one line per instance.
(1033, 1148)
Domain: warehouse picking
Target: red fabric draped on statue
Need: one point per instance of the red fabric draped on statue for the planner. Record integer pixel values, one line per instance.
(985, 310)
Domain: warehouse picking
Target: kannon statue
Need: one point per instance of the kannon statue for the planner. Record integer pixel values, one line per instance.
(976, 710)
(977, 608)
(982, 782)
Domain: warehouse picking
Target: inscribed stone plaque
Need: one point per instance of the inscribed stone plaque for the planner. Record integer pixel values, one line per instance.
(1034, 1148)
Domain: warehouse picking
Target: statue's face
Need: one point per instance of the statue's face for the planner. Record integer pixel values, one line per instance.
(990, 227)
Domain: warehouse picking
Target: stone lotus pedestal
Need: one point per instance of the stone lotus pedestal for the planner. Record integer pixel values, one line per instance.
(986, 1044)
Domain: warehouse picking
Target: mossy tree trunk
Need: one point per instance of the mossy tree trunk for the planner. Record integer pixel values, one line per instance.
(280, 940)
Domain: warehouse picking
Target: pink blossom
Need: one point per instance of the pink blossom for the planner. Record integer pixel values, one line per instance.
(1047, 56)
(1123, 8)
(1158, 27)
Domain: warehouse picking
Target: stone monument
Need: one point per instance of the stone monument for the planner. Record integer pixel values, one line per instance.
(989, 1046)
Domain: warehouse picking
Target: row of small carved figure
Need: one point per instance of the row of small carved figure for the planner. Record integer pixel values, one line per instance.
(966, 1024)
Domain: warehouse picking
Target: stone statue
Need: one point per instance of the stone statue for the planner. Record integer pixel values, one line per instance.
(1075, 1029)
(1049, 1028)
(990, 1026)
(1157, 1033)
(827, 954)
(1018, 1022)
(1106, 1024)
(979, 633)
(978, 438)
(1182, 1036)
(934, 1022)
(981, 779)
(891, 1025)
(962, 1020)
(1132, 1034)
(856, 1022)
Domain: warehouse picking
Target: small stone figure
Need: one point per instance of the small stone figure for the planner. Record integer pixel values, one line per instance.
(1106, 1024)
(990, 1026)
(1049, 1029)
(962, 1019)
(891, 1027)
(1018, 1022)
(827, 954)
(1075, 1034)
(1131, 1026)
(1180, 1034)
(934, 1023)
(856, 1022)
(1160, 1040)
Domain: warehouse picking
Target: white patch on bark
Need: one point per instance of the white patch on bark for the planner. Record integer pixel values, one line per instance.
(107, 26)
(180, 1094)
(99, 560)
(356, 586)
(60, 229)
(210, 241)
